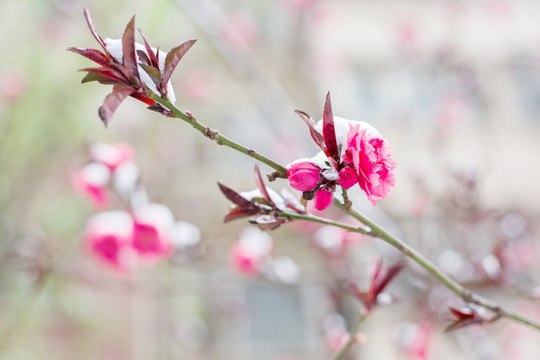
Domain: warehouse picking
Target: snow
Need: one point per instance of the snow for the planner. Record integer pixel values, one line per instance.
(114, 47)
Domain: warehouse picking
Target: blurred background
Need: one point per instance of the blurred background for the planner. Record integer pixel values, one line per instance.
(454, 86)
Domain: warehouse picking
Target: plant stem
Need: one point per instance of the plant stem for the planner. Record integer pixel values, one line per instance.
(350, 341)
(375, 229)
(217, 137)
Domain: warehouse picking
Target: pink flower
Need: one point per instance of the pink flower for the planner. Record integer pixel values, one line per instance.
(323, 198)
(370, 156)
(107, 238)
(152, 226)
(112, 156)
(92, 180)
(303, 176)
(249, 253)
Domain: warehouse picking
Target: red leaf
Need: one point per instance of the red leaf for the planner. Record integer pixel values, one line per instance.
(93, 31)
(329, 132)
(103, 74)
(92, 54)
(113, 100)
(262, 187)
(314, 133)
(143, 98)
(143, 58)
(390, 273)
(173, 58)
(234, 197)
(128, 49)
(153, 58)
(239, 212)
(464, 313)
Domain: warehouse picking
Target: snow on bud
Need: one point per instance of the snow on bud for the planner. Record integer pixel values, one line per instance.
(303, 176)
(107, 238)
(152, 226)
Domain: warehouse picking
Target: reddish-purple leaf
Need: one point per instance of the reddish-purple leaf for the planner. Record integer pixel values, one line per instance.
(92, 54)
(154, 61)
(111, 76)
(143, 98)
(154, 74)
(143, 58)
(122, 71)
(464, 313)
(314, 133)
(389, 274)
(234, 197)
(328, 130)
(113, 100)
(173, 58)
(128, 49)
(262, 186)
(93, 31)
(461, 324)
(240, 212)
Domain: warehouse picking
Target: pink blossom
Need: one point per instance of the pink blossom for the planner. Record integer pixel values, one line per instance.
(92, 180)
(107, 238)
(303, 176)
(112, 156)
(249, 253)
(323, 199)
(152, 226)
(370, 156)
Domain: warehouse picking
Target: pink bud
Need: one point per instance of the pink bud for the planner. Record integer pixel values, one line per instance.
(303, 176)
(250, 251)
(347, 177)
(323, 199)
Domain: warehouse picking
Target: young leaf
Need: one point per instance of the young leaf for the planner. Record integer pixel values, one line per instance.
(128, 49)
(93, 31)
(113, 100)
(173, 58)
(390, 273)
(152, 56)
(234, 197)
(154, 74)
(104, 76)
(262, 186)
(314, 133)
(267, 222)
(92, 54)
(329, 132)
(239, 212)
(143, 58)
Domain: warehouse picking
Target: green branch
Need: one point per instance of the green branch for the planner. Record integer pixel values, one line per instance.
(374, 229)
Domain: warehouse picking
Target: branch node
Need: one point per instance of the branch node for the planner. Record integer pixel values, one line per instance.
(251, 152)
(209, 133)
(275, 175)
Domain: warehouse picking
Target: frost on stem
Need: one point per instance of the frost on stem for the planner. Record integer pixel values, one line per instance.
(353, 152)
(133, 69)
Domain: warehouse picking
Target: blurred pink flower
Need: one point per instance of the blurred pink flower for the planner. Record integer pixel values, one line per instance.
(92, 180)
(152, 227)
(13, 83)
(240, 29)
(303, 176)
(199, 85)
(107, 238)
(370, 156)
(249, 253)
(298, 5)
(111, 155)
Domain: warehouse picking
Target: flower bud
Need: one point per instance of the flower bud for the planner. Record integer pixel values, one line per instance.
(303, 176)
